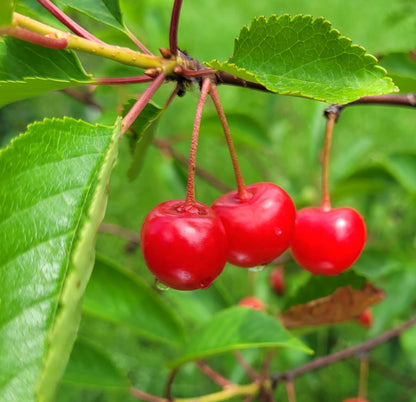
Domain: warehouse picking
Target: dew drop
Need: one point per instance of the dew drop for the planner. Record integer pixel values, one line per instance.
(160, 286)
(257, 269)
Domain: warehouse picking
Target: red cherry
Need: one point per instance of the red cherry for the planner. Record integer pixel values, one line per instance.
(258, 228)
(277, 280)
(366, 318)
(184, 246)
(252, 302)
(328, 241)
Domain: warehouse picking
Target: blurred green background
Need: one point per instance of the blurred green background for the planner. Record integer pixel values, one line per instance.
(278, 139)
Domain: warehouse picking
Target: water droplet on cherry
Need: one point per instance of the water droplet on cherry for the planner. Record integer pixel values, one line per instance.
(257, 269)
(160, 286)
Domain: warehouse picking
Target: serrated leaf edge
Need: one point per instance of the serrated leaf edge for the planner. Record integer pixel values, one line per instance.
(64, 330)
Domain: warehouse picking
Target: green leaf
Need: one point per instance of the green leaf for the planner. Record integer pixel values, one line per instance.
(321, 286)
(403, 168)
(6, 12)
(143, 132)
(306, 57)
(121, 297)
(90, 366)
(106, 11)
(28, 70)
(402, 68)
(53, 193)
(237, 328)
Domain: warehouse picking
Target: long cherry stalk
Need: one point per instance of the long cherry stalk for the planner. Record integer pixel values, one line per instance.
(241, 188)
(326, 201)
(141, 103)
(190, 188)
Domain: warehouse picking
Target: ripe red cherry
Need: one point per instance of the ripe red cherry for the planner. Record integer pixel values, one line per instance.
(259, 228)
(185, 247)
(366, 318)
(252, 302)
(277, 280)
(328, 241)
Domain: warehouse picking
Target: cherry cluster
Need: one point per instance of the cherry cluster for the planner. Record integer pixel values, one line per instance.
(186, 244)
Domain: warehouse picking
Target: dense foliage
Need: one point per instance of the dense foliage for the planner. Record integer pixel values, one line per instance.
(54, 181)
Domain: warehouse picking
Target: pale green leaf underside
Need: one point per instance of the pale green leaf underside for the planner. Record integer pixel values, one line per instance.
(106, 11)
(53, 182)
(28, 70)
(6, 12)
(237, 328)
(121, 297)
(306, 57)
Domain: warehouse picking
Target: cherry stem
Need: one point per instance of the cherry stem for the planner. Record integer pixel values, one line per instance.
(190, 188)
(173, 29)
(330, 122)
(123, 80)
(68, 22)
(290, 391)
(35, 38)
(213, 375)
(141, 103)
(362, 389)
(250, 371)
(241, 188)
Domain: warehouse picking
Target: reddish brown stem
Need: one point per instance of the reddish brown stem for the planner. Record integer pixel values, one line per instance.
(173, 30)
(290, 391)
(141, 103)
(253, 374)
(68, 22)
(123, 80)
(190, 188)
(241, 188)
(326, 201)
(213, 375)
(144, 396)
(35, 38)
(362, 389)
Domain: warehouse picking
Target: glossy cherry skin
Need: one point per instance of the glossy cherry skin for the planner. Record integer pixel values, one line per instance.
(277, 280)
(366, 318)
(259, 228)
(328, 241)
(184, 248)
(252, 302)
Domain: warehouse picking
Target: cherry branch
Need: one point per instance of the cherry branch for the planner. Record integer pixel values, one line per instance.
(122, 55)
(342, 354)
(173, 29)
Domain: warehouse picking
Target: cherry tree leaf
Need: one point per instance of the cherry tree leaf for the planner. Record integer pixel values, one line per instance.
(121, 297)
(28, 70)
(90, 365)
(141, 134)
(106, 11)
(53, 191)
(345, 304)
(6, 12)
(237, 328)
(306, 57)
